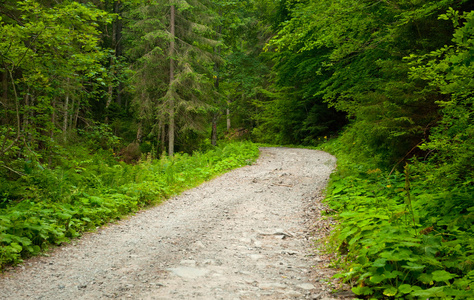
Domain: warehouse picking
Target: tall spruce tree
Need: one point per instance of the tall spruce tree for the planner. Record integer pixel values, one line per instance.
(173, 46)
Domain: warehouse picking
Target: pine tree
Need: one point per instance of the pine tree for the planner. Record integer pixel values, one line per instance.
(174, 50)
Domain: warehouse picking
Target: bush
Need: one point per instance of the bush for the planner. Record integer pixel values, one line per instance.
(401, 236)
(59, 204)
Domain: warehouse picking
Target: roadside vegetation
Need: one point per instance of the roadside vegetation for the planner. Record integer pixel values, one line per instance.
(50, 206)
(404, 234)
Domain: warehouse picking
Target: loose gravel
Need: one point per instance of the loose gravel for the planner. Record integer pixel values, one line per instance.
(244, 235)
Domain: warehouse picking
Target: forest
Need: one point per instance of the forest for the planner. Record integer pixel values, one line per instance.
(109, 106)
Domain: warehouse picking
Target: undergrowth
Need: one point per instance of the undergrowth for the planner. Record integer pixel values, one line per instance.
(47, 207)
(402, 235)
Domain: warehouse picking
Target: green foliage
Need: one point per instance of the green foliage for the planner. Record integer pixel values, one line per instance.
(244, 72)
(349, 55)
(448, 71)
(99, 136)
(401, 236)
(54, 205)
(293, 113)
(409, 235)
(52, 64)
(181, 100)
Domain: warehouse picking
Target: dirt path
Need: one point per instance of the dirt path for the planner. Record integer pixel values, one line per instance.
(243, 235)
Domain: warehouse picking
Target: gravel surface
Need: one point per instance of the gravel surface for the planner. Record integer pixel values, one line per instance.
(244, 235)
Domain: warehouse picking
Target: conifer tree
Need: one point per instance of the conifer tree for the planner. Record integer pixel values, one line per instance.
(173, 47)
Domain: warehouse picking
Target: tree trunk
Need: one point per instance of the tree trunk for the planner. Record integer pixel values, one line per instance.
(66, 117)
(160, 137)
(76, 113)
(228, 118)
(4, 98)
(139, 132)
(163, 135)
(110, 92)
(118, 45)
(119, 94)
(53, 120)
(215, 117)
(114, 46)
(71, 115)
(66, 109)
(4, 148)
(17, 107)
(26, 114)
(171, 129)
(51, 132)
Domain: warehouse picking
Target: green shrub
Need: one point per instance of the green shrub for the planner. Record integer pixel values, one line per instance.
(401, 236)
(60, 203)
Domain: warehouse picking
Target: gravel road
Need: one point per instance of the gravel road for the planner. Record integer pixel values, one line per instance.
(244, 235)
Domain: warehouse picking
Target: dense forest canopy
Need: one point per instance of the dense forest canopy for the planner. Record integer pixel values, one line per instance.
(388, 82)
(156, 73)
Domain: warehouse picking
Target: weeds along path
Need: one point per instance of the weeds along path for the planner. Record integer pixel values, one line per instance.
(243, 235)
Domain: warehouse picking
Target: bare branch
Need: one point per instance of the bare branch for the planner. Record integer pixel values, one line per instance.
(16, 172)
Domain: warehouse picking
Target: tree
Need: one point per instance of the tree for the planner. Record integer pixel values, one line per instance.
(48, 55)
(174, 52)
(245, 30)
(448, 71)
(355, 50)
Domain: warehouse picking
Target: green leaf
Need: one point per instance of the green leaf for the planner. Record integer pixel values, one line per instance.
(377, 278)
(64, 216)
(442, 275)
(405, 288)
(380, 263)
(431, 251)
(393, 274)
(362, 260)
(363, 290)
(390, 292)
(338, 189)
(16, 248)
(432, 292)
(399, 255)
(426, 278)
(413, 266)
(6, 238)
